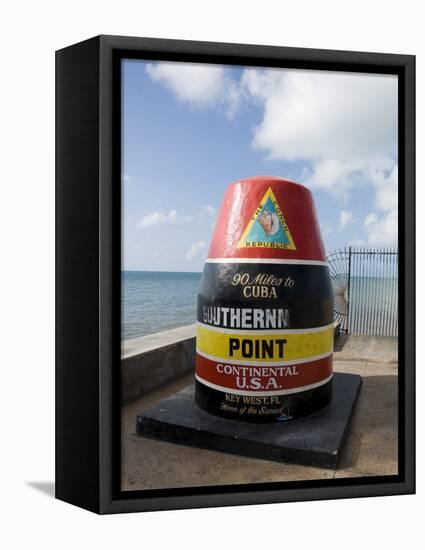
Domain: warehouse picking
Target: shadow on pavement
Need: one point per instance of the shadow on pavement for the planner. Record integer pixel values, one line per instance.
(340, 341)
(46, 487)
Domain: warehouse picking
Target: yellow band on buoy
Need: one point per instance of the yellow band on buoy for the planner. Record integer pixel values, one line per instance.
(265, 347)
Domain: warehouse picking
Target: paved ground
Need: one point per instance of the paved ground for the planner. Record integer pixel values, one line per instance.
(371, 447)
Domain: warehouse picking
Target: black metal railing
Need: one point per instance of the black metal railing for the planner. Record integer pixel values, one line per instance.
(339, 270)
(365, 286)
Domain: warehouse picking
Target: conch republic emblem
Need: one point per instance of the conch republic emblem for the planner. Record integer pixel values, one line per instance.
(265, 308)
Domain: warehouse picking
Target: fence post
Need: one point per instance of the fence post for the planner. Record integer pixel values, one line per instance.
(348, 289)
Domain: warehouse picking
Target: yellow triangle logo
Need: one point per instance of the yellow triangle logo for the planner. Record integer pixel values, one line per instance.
(267, 227)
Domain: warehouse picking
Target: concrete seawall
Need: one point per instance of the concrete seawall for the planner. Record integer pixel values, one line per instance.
(153, 360)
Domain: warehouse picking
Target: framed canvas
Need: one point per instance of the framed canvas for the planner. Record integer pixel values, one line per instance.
(161, 147)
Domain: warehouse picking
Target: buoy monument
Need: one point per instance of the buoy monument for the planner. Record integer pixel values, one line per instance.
(264, 342)
(265, 307)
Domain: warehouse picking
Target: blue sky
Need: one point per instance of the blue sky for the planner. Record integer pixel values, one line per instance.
(190, 130)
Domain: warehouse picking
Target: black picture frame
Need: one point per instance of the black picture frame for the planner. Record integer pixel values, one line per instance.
(88, 264)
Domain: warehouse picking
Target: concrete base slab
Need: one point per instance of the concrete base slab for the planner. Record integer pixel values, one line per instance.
(316, 440)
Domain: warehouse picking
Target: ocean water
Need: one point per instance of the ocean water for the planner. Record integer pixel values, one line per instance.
(156, 300)
(373, 307)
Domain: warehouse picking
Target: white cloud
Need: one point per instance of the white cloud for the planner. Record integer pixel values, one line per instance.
(260, 84)
(386, 192)
(198, 84)
(172, 217)
(382, 230)
(318, 115)
(345, 217)
(343, 126)
(382, 224)
(326, 228)
(197, 250)
(126, 178)
(336, 176)
(209, 210)
(158, 218)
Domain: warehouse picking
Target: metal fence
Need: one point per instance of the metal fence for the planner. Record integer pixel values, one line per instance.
(365, 286)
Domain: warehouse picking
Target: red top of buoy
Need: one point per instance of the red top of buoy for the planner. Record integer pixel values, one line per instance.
(267, 217)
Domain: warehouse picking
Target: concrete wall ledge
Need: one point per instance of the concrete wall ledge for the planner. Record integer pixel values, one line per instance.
(155, 359)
